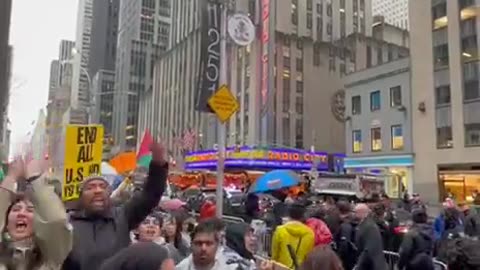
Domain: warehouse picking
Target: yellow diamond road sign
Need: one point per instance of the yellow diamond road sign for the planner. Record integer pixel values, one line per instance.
(223, 103)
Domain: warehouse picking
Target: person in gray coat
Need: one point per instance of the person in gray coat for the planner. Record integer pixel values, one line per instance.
(29, 222)
(101, 230)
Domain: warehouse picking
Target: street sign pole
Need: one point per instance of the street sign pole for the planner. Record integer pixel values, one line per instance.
(221, 126)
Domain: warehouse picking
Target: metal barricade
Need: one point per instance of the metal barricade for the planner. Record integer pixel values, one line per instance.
(264, 237)
(392, 259)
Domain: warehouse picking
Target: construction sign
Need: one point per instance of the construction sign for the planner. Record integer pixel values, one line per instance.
(83, 157)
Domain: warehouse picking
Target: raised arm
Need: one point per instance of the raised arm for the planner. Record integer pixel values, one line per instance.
(141, 204)
(53, 232)
(7, 188)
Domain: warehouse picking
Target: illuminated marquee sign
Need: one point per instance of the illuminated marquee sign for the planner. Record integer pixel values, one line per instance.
(265, 40)
(265, 158)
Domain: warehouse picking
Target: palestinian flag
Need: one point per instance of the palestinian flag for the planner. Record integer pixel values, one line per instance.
(144, 157)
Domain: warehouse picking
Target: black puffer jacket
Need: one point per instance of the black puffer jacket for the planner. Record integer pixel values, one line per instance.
(417, 248)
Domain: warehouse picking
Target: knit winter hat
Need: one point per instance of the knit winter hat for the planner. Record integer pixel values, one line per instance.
(91, 178)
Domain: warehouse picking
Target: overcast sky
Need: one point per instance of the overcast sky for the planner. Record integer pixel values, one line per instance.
(36, 30)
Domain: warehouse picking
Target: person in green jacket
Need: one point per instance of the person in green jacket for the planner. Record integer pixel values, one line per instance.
(35, 231)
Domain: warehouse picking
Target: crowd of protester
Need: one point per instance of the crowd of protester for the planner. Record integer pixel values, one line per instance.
(37, 233)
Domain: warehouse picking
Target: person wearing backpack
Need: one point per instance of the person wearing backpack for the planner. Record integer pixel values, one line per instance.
(417, 246)
(292, 241)
(460, 252)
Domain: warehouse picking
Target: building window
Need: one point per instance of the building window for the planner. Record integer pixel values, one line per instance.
(319, 8)
(369, 56)
(357, 141)
(299, 134)
(379, 56)
(376, 139)
(286, 62)
(294, 17)
(286, 130)
(299, 64)
(316, 55)
(299, 44)
(286, 95)
(319, 28)
(299, 105)
(472, 134)
(299, 87)
(309, 5)
(440, 54)
(442, 95)
(396, 96)
(471, 90)
(331, 64)
(309, 21)
(356, 105)
(444, 137)
(397, 137)
(375, 101)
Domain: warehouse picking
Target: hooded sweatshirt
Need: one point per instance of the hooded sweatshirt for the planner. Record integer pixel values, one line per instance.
(298, 236)
(141, 256)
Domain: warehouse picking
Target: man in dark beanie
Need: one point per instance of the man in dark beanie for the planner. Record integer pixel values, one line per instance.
(417, 245)
(101, 230)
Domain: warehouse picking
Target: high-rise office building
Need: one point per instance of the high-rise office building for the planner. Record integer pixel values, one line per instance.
(102, 63)
(59, 101)
(66, 50)
(103, 44)
(394, 12)
(445, 97)
(81, 78)
(305, 65)
(168, 108)
(65, 58)
(5, 72)
(54, 82)
(143, 36)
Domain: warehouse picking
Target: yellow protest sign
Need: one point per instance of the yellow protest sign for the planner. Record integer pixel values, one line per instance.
(83, 157)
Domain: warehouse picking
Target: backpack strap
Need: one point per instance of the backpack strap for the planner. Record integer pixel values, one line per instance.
(293, 253)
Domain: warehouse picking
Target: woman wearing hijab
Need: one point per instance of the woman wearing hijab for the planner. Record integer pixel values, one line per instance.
(141, 256)
(35, 231)
(240, 246)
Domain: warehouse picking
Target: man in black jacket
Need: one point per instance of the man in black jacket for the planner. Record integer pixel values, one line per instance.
(472, 221)
(345, 238)
(101, 230)
(417, 245)
(368, 241)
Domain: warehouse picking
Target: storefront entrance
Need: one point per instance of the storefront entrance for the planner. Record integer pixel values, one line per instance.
(459, 184)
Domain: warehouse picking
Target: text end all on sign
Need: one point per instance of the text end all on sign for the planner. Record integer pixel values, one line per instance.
(83, 157)
(223, 103)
